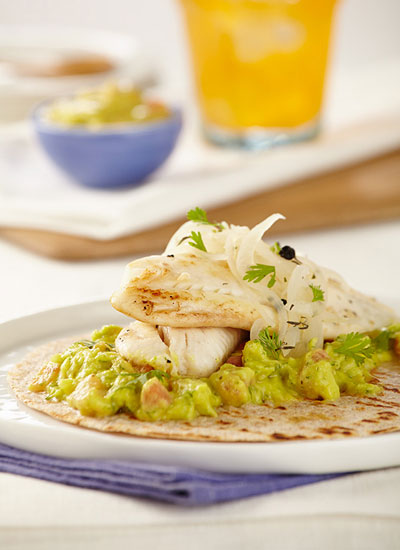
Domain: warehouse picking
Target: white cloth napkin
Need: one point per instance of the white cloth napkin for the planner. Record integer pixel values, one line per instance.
(362, 119)
(360, 511)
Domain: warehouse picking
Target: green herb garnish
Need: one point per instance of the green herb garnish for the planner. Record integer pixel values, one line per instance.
(270, 343)
(354, 345)
(199, 215)
(256, 273)
(197, 241)
(318, 294)
(276, 247)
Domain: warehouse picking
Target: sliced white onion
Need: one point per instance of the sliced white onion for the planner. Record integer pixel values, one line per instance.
(303, 310)
(246, 253)
(256, 328)
(241, 248)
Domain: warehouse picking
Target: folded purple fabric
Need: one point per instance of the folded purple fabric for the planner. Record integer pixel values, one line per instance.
(173, 484)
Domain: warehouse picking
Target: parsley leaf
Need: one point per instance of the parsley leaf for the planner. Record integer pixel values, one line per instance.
(270, 343)
(318, 294)
(199, 215)
(197, 241)
(256, 273)
(276, 247)
(354, 345)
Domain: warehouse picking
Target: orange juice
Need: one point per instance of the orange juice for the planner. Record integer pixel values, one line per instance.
(259, 64)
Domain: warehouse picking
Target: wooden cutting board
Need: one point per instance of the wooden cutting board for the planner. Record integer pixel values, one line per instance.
(364, 192)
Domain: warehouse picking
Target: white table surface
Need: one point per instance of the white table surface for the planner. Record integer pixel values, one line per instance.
(359, 511)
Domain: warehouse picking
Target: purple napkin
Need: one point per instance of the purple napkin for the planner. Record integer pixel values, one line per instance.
(166, 483)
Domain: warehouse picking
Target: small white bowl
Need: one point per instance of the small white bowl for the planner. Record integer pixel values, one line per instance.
(20, 92)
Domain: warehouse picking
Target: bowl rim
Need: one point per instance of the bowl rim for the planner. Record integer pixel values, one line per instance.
(120, 46)
(42, 125)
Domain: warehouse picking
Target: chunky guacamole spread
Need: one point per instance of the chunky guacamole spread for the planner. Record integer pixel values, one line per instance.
(109, 104)
(94, 379)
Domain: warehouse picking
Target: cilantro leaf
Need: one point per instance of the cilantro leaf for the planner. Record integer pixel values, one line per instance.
(197, 241)
(199, 215)
(270, 343)
(256, 273)
(318, 294)
(354, 345)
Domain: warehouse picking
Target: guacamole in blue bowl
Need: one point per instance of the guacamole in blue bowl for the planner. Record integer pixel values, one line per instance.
(108, 137)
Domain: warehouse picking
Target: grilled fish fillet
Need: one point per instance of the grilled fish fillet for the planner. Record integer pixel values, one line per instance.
(188, 352)
(192, 291)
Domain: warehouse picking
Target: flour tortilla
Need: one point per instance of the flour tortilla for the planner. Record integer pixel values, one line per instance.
(301, 420)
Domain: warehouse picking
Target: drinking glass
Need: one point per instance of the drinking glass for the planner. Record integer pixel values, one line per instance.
(259, 67)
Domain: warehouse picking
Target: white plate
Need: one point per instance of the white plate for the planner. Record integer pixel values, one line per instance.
(34, 431)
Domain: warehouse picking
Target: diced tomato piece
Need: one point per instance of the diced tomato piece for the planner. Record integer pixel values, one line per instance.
(143, 368)
(235, 360)
(319, 355)
(237, 356)
(154, 395)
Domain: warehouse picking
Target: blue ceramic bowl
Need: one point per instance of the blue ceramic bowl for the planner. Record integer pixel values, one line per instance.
(110, 157)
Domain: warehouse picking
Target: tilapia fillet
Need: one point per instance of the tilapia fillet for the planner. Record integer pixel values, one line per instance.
(184, 292)
(191, 291)
(192, 352)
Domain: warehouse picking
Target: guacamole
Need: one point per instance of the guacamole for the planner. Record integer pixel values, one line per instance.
(93, 378)
(109, 104)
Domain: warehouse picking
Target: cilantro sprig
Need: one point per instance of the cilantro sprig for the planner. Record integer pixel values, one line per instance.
(256, 273)
(318, 293)
(197, 241)
(270, 343)
(199, 215)
(354, 345)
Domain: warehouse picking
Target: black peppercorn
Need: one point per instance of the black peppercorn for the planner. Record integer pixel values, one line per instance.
(287, 252)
